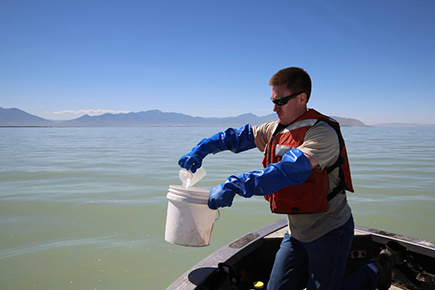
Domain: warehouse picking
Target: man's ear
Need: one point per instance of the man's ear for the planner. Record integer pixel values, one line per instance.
(303, 98)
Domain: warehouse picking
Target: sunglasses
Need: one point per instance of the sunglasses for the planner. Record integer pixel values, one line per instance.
(283, 101)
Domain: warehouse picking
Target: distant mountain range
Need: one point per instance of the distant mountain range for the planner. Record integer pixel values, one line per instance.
(18, 118)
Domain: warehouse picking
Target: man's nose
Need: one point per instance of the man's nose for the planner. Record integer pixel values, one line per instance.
(276, 108)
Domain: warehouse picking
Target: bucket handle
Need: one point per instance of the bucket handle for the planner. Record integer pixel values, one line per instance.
(218, 215)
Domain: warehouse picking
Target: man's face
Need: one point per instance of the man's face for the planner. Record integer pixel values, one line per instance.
(294, 108)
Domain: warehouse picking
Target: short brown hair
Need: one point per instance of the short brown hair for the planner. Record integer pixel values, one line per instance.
(296, 78)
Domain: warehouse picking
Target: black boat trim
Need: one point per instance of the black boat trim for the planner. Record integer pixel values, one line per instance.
(425, 248)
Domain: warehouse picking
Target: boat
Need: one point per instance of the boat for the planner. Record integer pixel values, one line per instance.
(247, 261)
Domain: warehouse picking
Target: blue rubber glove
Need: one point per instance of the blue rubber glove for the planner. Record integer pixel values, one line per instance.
(294, 168)
(221, 195)
(236, 140)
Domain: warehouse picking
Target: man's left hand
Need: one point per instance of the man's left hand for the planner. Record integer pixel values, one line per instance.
(221, 196)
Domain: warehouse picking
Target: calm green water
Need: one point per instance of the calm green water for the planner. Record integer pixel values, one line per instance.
(85, 208)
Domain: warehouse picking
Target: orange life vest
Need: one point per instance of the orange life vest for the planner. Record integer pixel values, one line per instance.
(311, 196)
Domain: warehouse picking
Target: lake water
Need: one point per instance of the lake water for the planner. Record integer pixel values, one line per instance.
(85, 208)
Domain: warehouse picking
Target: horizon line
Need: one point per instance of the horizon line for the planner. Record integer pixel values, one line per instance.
(118, 112)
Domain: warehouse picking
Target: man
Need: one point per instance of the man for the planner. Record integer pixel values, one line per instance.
(305, 176)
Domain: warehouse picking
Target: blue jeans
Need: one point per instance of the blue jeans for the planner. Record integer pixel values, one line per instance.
(319, 264)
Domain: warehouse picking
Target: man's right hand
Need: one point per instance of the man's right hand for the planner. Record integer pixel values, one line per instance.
(191, 161)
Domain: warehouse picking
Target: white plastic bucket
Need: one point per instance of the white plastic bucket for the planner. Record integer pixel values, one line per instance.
(189, 221)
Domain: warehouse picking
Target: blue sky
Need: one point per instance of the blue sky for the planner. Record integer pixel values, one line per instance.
(370, 60)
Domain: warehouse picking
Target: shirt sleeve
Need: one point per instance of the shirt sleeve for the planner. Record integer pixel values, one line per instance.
(321, 143)
(262, 134)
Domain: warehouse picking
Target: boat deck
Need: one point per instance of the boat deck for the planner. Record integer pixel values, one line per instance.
(279, 234)
(253, 255)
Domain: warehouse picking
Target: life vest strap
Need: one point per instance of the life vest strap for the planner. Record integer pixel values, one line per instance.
(342, 186)
(339, 162)
(335, 191)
